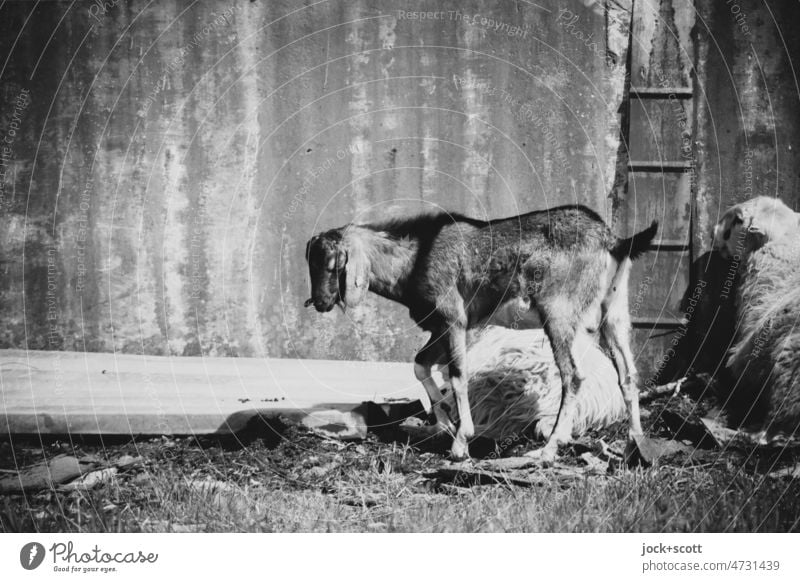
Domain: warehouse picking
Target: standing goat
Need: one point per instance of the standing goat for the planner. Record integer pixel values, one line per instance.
(453, 272)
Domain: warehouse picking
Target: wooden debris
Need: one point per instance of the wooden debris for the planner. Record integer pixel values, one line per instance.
(337, 424)
(507, 463)
(670, 389)
(615, 451)
(786, 472)
(693, 384)
(66, 473)
(527, 473)
(126, 462)
(46, 475)
(90, 480)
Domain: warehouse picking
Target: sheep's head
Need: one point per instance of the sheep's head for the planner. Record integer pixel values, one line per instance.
(338, 268)
(750, 225)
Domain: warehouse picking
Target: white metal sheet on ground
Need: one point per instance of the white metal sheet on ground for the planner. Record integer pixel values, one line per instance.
(91, 393)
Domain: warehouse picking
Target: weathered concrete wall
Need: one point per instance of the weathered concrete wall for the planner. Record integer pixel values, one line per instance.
(170, 160)
(748, 121)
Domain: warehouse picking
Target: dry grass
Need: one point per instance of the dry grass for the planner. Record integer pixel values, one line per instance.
(301, 482)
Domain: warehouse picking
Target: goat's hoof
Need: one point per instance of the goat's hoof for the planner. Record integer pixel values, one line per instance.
(545, 455)
(459, 451)
(641, 450)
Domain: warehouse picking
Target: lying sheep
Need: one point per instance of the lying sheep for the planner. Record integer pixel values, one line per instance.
(760, 237)
(765, 360)
(515, 387)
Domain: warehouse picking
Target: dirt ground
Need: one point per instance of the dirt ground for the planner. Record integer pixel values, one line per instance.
(281, 476)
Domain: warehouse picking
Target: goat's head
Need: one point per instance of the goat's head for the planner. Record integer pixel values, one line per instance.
(750, 225)
(338, 268)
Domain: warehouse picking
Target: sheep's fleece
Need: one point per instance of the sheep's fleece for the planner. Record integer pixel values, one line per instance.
(765, 359)
(515, 387)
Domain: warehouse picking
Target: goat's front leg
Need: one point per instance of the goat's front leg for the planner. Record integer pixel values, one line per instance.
(423, 364)
(459, 381)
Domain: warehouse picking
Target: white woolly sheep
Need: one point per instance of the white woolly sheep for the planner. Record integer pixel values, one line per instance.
(515, 387)
(765, 360)
(760, 236)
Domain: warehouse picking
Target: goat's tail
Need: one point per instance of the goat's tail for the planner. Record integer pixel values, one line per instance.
(636, 245)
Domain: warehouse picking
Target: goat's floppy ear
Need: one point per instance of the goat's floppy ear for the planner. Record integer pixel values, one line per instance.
(309, 243)
(356, 272)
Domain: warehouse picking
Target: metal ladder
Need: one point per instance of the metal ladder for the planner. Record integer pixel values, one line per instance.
(660, 166)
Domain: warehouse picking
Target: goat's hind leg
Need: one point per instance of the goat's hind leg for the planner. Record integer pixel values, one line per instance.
(424, 361)
(560, 324)
(615, 328)
(460, 384)
(628, 377)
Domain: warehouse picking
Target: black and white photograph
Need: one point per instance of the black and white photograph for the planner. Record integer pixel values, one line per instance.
(384, 266)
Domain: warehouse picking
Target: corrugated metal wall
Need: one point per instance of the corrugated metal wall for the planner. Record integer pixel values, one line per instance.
(163, 164)
(748, 60)
(172, 158)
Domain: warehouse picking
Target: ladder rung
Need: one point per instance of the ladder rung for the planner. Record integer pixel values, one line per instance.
(670, 245)
(659, 166)
(656, 323)
(662, 92)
